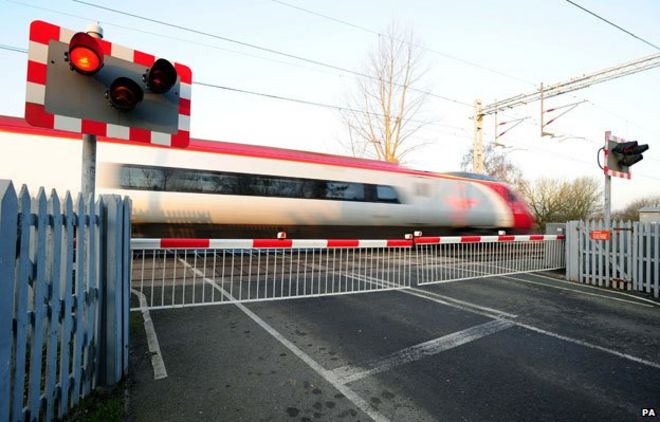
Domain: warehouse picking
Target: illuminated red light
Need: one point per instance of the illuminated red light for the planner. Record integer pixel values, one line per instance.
(85, 54)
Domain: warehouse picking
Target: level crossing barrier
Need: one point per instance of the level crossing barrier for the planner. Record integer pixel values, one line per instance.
(448, 259)
(190, 272)
(170, 273)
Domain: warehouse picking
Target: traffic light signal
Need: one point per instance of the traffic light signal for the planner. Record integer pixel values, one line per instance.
(85, 54)
(124, 94)
(160, 77)
(621, 156)
(83, 84)
(629, 153)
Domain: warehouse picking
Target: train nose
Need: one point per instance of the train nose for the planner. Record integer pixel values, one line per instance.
(522, 218)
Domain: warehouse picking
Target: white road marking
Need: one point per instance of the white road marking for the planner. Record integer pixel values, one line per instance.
(350, 373)
(588, 286)
(589, 345)
(536, 283)
(152, 340)
(483, 274)
(325, 374)
(497, 313)
(445, 300)
(561, 337)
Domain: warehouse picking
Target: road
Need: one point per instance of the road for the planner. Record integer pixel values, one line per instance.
(522, 347)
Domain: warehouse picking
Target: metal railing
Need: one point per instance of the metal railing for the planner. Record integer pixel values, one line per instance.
(191, 272)
(169, 273)
(446, 259)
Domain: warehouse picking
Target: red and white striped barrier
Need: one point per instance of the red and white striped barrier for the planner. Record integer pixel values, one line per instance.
(489, 239)
(179, 243)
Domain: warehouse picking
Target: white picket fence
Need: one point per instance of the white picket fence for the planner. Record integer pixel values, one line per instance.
(60, 261)
(630, 260)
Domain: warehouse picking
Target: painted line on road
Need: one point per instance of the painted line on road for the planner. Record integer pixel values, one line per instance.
(483, 275)
(322, 372)
(536, 283)
(588, 286)
(348, 374)
(589, 345)
(492, 312)
(438, 298)
(562, 337)
(152, 340)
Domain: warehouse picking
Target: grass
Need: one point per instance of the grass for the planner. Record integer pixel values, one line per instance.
(102, 405)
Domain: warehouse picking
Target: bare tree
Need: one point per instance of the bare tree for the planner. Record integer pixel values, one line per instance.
(384, 109)
(631, 211)
(497, 165)
(558, 200)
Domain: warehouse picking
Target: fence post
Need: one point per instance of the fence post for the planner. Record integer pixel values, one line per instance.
(126, 277)
(114, 294)
(572, 251)
(8, 225)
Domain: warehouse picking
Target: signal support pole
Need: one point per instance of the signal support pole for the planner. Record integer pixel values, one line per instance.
(607, 192)
(88, 174)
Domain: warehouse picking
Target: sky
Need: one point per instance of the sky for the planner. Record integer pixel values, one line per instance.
(530, 41)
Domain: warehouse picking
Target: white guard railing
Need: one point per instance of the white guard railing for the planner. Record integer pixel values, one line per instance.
(190, 272)
(170, 273)
(445, 259)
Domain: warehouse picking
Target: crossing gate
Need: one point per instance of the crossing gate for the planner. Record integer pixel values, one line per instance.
(447, 259)
(169, 273)
(629, 260)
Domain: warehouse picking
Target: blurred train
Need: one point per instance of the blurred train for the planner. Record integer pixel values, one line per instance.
(227, 190)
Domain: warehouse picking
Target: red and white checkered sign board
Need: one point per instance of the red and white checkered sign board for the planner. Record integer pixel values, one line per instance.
(41, 33)
(607, 171)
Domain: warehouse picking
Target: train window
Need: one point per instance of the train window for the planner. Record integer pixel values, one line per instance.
(153, 178)
(344, 190)
(386, 194)
(511, 196)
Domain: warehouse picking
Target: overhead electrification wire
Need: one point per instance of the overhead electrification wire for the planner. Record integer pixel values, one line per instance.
(278, 97)
(265, 49)
(170, 37)
(584, 9)
(12, 48)
(380, 34)
(270, 59)
(532, 148)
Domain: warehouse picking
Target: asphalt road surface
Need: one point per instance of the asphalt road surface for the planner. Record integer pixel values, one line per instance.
(507, 348)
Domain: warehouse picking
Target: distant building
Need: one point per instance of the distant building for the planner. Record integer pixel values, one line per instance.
(649, 214)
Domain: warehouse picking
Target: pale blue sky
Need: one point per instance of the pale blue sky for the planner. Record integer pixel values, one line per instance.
(537, 41)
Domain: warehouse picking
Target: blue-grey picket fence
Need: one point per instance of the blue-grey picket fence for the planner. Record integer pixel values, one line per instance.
(58, 339)
(629, 260)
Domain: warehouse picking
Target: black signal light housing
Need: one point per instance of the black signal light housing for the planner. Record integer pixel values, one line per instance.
(161, 77)
(124, 94)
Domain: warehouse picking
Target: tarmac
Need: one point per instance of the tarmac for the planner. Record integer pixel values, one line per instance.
(525, 347)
